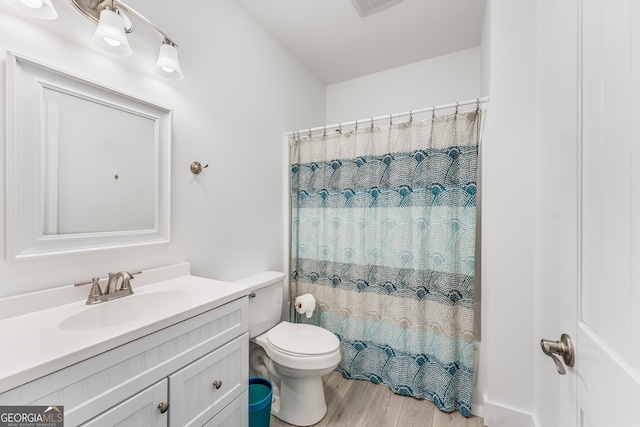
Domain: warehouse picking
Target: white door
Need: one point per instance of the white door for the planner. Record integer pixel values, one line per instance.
(599, 263)
(608, 294)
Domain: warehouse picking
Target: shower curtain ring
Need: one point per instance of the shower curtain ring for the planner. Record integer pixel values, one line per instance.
(410, 116)
(340, 128)
(456, 108)
(309, 132)
(371, 123)
(433, 113)
(477, 105)
(324, 130)
(390, 119)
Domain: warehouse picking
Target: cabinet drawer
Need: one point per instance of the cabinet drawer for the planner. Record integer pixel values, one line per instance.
(193, 395)
(140, 410)
(236, 414)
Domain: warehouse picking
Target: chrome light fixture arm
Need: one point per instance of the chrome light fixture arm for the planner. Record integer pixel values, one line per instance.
(125, 7)
(91, 9)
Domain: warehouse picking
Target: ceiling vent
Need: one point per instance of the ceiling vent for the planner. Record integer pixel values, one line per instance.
(369, 7)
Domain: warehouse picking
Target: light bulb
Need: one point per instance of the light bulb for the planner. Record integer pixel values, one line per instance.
(112, 42)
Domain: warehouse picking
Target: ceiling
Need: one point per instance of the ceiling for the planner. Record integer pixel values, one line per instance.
(331, 39)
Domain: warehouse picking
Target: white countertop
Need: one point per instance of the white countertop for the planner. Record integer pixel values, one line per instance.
(41, 342)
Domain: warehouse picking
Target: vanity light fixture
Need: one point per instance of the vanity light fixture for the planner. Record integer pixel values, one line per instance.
(112, 17)
(168, 65)
(113, 21)
(41, 9)
(110, 34)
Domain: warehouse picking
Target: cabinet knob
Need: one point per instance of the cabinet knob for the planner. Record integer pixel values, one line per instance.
(217, 384)
(163, 407)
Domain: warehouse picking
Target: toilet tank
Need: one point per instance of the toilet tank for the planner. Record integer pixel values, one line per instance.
(265, 300)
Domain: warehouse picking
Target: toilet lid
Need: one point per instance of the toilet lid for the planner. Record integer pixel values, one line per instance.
(297, 338)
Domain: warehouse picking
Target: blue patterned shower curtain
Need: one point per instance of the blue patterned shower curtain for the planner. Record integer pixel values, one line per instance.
(383, 235)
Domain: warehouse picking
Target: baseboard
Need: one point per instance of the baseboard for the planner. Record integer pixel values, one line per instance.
(496, 415)
(477, 410)
(477, 399)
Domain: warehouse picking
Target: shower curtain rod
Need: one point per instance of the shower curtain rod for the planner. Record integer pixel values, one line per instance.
(391, 116)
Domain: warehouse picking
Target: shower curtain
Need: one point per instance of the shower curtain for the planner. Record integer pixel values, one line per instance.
(383, 235)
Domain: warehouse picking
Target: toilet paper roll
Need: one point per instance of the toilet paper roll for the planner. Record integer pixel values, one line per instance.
(305, 304)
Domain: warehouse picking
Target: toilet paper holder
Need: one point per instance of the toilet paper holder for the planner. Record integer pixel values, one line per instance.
(293, 313)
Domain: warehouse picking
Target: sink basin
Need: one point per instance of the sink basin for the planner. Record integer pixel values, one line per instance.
(123, 310)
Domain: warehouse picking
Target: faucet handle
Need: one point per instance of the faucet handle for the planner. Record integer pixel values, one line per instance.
(86, 282)
(95, 291)
(126, 276)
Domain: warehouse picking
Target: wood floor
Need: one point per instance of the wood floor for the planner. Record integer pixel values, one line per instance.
(355, 403)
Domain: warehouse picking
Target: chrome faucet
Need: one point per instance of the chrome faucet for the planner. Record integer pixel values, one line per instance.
(111, 290)
(112, 283)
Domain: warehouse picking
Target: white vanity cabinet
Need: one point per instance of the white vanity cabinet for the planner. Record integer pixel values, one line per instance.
(199, 366)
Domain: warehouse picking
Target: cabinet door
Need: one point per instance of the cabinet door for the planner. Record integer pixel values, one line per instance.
(200, 390)
(140, 410)
(236, 414)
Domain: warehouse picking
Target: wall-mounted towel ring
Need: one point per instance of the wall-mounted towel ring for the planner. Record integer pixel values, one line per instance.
(196, 167)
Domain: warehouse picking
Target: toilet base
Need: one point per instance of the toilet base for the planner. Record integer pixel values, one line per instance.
(301, 401)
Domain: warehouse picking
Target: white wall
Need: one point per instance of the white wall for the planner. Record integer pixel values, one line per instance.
(509, 199)
(437, 81)
(481, 293)
(485, 51)
(241, 92)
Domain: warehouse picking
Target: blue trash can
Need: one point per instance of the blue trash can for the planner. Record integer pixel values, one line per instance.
(260, 393)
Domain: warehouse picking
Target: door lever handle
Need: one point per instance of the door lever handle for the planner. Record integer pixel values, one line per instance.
(163, 407)
(563, 348)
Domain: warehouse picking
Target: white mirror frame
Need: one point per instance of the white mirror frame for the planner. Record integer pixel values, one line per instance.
(25, 149)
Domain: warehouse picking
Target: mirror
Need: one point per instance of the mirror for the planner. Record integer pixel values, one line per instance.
(87, 166)
(95, 172)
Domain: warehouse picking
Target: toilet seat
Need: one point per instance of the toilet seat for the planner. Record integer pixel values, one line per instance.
(291, 356)
(296, 339)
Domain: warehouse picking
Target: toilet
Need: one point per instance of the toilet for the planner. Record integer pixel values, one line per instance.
(293, 356)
